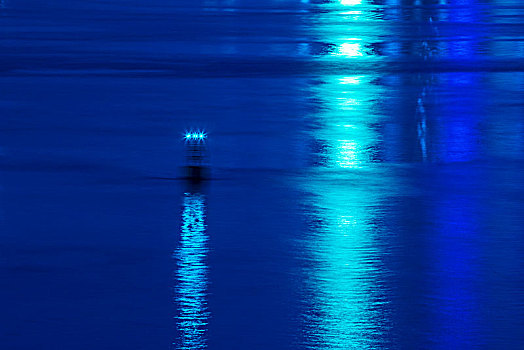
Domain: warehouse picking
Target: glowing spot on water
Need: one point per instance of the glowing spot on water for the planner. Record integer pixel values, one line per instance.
(348, 102)
(348, 154)
(350, 2)
(355, 80)
(350, 50)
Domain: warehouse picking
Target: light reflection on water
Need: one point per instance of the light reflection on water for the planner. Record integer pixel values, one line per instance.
(344, 292)
(399, 98)
(349, 291)
(350, 104)
(192, 275)
(346, 125)
(345, 295)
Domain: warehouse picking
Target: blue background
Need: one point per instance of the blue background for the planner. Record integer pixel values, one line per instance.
(367, 162)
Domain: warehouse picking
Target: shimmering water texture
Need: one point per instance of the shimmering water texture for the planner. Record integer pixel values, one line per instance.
(191, 275)
(365, 188)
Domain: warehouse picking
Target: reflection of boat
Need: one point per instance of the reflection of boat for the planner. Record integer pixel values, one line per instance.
(196, 172)
(191, 288)
(196, 168)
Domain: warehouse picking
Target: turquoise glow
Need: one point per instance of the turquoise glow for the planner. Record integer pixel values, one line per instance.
(195, 135)
(347, 301)
(347, 122)
(343, 284)
(350, 2)
(192, 275)
(351, 103)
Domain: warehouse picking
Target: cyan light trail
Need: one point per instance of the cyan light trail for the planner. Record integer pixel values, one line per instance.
(192, 275)
(344, 282)
(351, 105)
(347, 121)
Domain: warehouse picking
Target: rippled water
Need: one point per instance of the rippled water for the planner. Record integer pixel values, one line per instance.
(367, 160)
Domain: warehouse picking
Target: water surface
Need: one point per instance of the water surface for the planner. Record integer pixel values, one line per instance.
(367, 161)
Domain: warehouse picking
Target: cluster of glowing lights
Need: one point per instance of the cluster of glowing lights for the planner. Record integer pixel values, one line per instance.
(197, 135)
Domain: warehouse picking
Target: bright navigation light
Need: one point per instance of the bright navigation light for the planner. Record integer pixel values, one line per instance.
(195, 135)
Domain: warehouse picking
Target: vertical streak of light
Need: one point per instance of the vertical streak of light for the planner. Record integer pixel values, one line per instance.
(347, 307)
(422, 131)
(348, 133)
(344, 281)
(192, 275)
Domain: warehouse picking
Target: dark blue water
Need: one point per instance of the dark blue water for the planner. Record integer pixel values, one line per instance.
(367, 160)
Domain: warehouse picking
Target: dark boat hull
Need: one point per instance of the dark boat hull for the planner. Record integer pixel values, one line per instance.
(196, 172)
